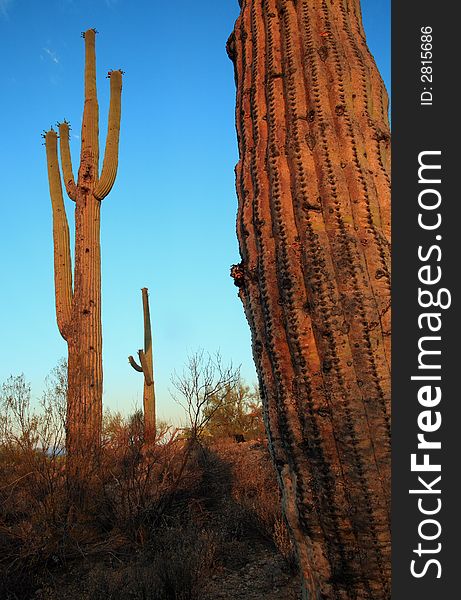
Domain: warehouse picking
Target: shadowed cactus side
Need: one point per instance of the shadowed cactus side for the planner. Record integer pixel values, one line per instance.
(78, 306)
(313, 184)
(146, 367)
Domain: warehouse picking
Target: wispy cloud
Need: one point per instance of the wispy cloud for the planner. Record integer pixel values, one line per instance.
(51, 54)
(4, 5)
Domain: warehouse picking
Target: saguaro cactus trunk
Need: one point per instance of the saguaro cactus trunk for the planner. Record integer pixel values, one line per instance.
(147, 368)
(78, 308)
(314, 232)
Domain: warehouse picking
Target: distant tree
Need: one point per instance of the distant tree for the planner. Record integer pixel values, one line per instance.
(34, 426)
(204, 386)
(113, 427)
(53, 404)
(236, 412)
(18, 424)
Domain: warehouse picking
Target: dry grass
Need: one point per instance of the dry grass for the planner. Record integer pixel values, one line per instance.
(154, 523)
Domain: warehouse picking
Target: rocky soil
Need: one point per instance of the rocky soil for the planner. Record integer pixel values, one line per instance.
(264, 577)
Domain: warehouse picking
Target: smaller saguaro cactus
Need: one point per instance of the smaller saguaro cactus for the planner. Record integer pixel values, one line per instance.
(147, 368)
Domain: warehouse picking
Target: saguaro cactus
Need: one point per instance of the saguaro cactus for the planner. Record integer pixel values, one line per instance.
(78, 308)
(314, 231)
(146, 367)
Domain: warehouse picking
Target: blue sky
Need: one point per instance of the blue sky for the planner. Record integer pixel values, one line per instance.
(169, 222)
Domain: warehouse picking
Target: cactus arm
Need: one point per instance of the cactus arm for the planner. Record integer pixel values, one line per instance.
(89, 158)
(110, 164)
(134, 364)
(62, 260)
(66, 160)
(145, 367)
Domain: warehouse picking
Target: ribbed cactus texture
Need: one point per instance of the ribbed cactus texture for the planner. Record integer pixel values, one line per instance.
(78, 306)
(314, 232)
(146, 367)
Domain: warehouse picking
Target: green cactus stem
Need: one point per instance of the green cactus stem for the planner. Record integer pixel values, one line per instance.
(147, 368)
(78, 306)
(313, 185)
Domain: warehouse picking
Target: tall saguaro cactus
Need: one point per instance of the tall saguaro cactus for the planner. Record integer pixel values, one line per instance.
(78, 307)
(314, 231)
(147, 368)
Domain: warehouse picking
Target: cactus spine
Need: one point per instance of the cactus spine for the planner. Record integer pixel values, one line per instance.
(146, 367)
(314, 232)
(78, 307)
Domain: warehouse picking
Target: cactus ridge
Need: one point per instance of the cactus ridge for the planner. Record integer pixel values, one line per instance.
(348, 253)
(313, 228)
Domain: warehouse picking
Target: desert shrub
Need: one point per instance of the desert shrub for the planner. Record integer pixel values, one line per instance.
(127, 494)
(252, 506)
(32, 481)
(156, 519)
(175, 569)
(129, 511)
(254, 486)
